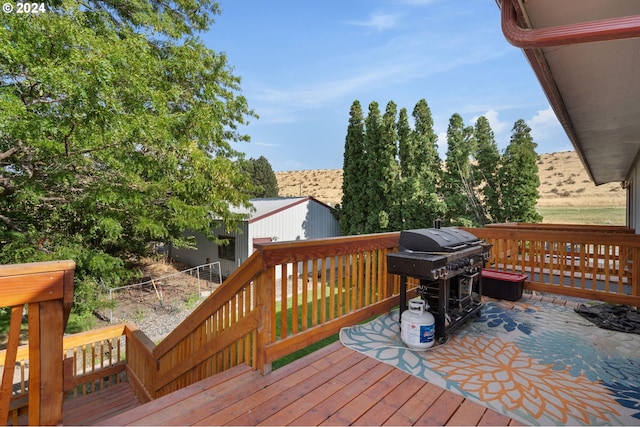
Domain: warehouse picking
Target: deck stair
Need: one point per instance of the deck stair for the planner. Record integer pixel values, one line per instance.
(92, 408)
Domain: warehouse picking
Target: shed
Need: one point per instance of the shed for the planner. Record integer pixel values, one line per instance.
(270, 220)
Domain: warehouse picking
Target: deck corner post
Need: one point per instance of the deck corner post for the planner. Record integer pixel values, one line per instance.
(265, 296)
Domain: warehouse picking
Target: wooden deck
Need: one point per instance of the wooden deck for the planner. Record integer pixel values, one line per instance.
(333, 386)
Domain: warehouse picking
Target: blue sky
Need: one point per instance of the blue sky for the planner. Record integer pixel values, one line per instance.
(303, 63)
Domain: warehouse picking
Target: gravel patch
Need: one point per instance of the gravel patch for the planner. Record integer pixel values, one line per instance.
(159, 324)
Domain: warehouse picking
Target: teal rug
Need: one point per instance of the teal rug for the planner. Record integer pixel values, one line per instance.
(537, 362)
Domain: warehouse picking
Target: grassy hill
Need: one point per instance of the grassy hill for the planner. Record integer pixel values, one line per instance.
(567, 193)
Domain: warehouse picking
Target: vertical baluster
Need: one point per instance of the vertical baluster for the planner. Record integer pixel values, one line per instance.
(295, 299)
(332, 288)
(284, 301)
(323, 291)
(341, 284)
(314, 292)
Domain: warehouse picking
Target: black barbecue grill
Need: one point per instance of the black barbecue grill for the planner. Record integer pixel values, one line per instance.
(448, 262)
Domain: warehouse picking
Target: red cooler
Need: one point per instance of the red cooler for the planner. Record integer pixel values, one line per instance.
(502, 285)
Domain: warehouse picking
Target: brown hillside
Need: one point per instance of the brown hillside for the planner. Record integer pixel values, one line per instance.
(563, 182)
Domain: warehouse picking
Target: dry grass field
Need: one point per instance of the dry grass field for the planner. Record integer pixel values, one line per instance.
(565, 190)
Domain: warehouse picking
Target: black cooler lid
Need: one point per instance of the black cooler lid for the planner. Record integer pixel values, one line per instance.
(446, 239)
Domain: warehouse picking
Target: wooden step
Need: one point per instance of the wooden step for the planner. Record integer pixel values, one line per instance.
(92, 408)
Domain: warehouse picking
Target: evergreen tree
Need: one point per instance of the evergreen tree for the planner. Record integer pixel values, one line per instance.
(352, 212)
(387, 161)
(457, 176)
(420, 169)
(372, 142)
(486, 170)
(262, 177)
(427, 139)
(407, 170)
(518, 176)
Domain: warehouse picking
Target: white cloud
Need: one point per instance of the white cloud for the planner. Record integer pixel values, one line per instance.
(543, 122)
(497, 126)
(548, 133)
(378, 21)
(266, 144)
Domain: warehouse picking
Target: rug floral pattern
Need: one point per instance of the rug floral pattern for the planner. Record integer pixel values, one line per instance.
(538, 362)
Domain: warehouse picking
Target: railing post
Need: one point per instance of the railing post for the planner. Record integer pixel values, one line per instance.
(265, 301)
(45, 407)
(47, 288)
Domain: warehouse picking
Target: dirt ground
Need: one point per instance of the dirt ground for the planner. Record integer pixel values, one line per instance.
(165, 292)
(563, 182)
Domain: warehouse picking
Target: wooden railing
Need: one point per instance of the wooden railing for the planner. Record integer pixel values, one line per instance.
(102, 357)
(592, 262)
(258, 316)
(288, 295)
(46, 291)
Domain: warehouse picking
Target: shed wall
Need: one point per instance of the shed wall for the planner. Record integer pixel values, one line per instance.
(208, 250)
(303, 221)
(308, 220)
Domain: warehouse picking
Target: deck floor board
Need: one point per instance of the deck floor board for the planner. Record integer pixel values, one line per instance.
(333, 386)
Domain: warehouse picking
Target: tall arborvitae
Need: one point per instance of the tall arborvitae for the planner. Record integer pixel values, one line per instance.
(354, 182)
(407, 169)
(428, 165)
(420, 169)
(426, 140)
(387, 162)
(457, 175)
(486, 170)
(519, 179)
(372, 143)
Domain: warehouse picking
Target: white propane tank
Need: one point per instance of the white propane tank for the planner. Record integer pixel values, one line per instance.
(417, 325)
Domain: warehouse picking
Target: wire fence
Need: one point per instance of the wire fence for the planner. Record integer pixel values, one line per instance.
(163, 292)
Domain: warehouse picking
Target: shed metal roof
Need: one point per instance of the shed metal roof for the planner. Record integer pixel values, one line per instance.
(267, 206)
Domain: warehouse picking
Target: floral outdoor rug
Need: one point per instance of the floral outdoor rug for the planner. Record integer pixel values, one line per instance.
(538, 362)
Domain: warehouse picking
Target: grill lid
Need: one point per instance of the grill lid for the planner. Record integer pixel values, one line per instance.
(447, 239)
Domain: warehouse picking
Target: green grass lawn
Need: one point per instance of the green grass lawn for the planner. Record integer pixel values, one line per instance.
(313, 347)
(591, 215)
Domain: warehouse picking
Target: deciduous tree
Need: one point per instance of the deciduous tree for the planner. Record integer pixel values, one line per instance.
(117, 129)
